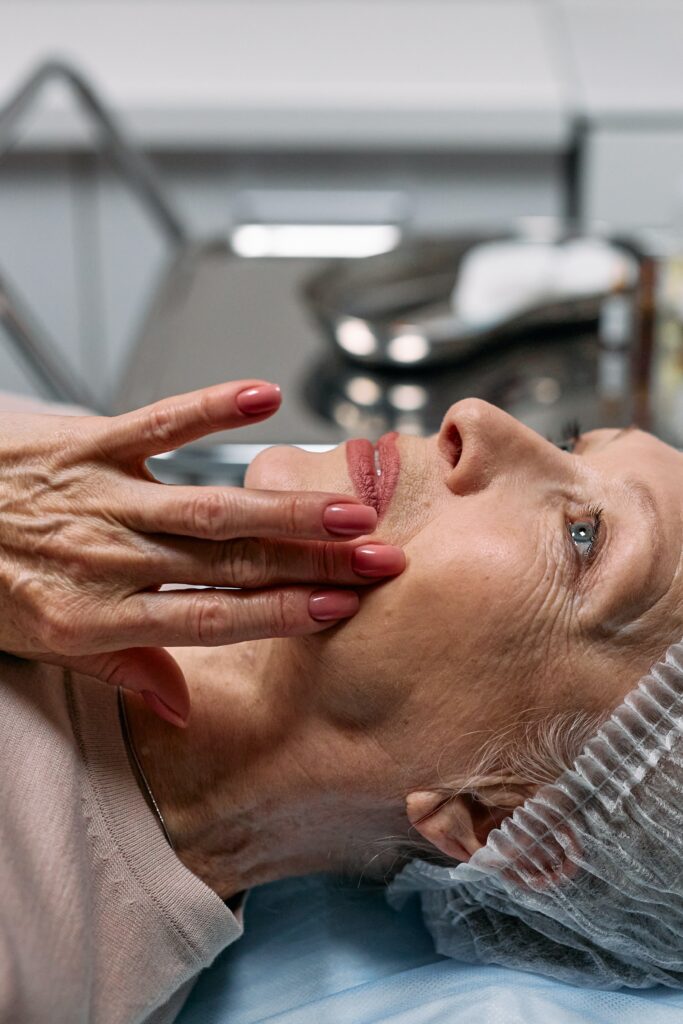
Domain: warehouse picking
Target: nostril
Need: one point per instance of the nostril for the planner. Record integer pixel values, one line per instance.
(454, 441)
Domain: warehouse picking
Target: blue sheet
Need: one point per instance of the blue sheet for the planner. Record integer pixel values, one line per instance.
(319, 950)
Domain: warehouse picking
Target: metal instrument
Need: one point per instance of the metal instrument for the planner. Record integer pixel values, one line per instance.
(408, 308)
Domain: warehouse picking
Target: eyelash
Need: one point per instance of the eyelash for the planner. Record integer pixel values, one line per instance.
(571, 433)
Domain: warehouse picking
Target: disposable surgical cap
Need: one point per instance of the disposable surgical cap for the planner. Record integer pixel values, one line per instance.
(585, 881)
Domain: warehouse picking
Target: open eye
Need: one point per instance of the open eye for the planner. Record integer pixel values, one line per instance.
(585, 532)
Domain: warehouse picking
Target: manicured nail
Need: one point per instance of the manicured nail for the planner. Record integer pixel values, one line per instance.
(162, 709)
(378, 560)
(259, 399)
(325, 605)
(349, 519)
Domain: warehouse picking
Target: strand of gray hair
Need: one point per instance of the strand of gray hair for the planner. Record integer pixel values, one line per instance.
(537, 749)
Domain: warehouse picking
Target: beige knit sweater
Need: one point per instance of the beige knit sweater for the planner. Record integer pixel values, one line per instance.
(99, 921)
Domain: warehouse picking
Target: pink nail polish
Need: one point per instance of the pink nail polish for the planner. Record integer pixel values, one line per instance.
(349, 519)
(326, 605)
(162, 709)
(259, 399)
(378, 560)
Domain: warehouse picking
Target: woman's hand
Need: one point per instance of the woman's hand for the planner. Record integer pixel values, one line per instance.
(88, 536)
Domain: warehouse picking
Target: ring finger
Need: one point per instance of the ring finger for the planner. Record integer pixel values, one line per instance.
(252, 563)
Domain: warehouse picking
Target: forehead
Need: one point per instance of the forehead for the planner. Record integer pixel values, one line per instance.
(635, 454)
(631, 438)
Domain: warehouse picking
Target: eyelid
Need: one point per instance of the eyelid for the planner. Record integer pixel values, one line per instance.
(583, 562)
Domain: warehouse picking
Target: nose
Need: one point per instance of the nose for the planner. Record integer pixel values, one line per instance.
(484, 443)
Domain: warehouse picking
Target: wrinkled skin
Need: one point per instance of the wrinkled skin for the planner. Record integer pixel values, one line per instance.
(87, 537)
(499, 616)
(494, 593)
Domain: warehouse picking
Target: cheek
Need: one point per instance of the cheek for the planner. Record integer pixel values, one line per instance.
(459, 591)
(442, 643)
(463, 580)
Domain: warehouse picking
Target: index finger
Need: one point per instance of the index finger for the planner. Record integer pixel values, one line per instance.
(225, 513)
(175, 421)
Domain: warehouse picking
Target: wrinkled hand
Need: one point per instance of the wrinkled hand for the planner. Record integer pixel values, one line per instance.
(88, 536)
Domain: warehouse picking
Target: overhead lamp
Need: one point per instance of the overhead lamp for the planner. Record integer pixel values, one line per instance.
(323, 241)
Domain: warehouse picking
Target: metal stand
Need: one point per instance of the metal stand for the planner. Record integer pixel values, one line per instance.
(36, 348)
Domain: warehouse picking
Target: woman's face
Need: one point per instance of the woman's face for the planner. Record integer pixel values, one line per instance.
(537, 580)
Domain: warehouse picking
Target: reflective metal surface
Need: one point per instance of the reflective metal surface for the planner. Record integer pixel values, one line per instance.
(407, 308)
(220, 318)
(544, 381)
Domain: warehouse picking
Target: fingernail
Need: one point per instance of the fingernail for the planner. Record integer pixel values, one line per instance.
(259, 399)
(164, 710)
(378, 560)
(349, 519)
(333, 604)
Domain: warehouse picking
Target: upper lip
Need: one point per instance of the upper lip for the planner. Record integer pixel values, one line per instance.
(374, 470)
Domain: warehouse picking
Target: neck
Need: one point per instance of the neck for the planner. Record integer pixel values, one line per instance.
(265, 782)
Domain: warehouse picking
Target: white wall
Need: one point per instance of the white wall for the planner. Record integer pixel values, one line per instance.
(294, 72)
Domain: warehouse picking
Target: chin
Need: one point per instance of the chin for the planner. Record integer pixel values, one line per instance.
(273, 470)
(286, 468)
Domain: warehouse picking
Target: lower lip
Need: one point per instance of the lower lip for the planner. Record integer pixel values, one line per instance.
(373, 489)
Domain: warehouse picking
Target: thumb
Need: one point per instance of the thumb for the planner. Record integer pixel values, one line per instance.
(149, 671)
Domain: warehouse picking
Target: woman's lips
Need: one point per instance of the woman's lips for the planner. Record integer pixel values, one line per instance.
(362, 459)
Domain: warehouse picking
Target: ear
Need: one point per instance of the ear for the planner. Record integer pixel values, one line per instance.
(458, 825)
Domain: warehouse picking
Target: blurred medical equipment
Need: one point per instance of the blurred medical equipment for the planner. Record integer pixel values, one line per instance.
(585, 881)
(33, 344)
(542, 321)
(666, 373)
(321, 949)
(436, 304)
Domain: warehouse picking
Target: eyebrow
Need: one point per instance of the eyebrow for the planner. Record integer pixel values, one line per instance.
(643, 496)
(645, 499)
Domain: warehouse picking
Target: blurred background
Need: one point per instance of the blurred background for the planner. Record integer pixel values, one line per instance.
(384, 205)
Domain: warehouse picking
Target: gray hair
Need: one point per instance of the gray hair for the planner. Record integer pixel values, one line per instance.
(536, 750)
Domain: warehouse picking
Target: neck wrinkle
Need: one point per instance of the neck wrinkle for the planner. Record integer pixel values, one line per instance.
(262, 784)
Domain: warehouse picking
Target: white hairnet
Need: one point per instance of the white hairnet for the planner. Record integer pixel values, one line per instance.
(585, 881)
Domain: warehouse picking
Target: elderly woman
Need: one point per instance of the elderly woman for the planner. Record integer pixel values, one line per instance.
(541, 583)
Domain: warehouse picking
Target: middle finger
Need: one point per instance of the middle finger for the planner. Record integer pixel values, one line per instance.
(224, 513)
